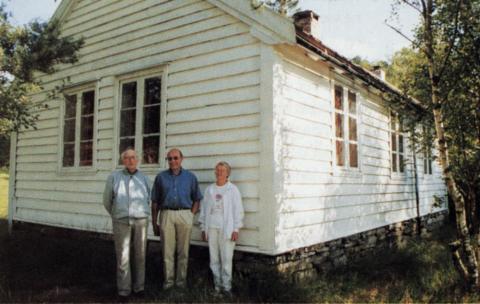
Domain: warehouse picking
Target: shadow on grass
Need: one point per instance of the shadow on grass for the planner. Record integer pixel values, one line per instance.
(41, 268)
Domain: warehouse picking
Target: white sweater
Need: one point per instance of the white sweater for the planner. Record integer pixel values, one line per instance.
(232, 209)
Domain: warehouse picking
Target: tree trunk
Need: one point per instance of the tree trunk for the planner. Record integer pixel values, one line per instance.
(470, 262)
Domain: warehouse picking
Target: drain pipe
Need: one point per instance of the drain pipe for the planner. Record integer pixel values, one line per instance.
(417, 199)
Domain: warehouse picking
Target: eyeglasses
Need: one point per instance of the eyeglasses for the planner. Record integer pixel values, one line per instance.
(172, 158)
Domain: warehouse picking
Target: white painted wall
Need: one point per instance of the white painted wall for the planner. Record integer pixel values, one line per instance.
(221, 82)
(321, 202)
(213, 106)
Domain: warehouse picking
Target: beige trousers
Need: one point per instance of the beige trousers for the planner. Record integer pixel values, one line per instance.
(124, 234)
(221, 254)
(175, 232)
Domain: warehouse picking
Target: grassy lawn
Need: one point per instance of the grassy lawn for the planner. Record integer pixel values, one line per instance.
(40, 268)
(3, 194)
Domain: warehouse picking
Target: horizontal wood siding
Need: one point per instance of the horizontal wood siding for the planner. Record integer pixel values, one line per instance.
(213, 110)
(322, 202)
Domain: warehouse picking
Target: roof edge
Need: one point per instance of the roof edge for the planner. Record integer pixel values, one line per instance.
(318, 47)
(62, 10)
(262, 20)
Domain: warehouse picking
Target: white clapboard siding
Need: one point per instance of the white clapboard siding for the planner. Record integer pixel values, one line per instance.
(321, 202)
(213, 111)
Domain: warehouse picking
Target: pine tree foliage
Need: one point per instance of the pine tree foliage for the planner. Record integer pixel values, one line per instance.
(25, 50)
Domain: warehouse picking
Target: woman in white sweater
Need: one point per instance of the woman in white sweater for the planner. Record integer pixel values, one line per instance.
(221, 217)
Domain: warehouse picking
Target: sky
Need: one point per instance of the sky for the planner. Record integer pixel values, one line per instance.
(350, 27)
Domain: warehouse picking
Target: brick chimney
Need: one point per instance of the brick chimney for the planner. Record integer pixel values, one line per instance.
(379, 72)
(307, 22)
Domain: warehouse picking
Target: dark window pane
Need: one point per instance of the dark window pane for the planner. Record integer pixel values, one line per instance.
(401, 162)
(86, 153)
(129, 95)
(88, 102)
(339, 153)
(69, 130)
(394, 142)
(339, 125)
(70, 106)
(352, 128)
(124, 144)
(152, 90)
(86, 128)
(394, 162)
(430, 166)
(400, 143)
(68, 155)
(150, 149)
(151, 120)
(352, 103)
(127, 123)
(425, 165)
(339, 98)
(353, 155)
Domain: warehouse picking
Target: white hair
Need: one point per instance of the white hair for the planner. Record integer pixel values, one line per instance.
(122, 156)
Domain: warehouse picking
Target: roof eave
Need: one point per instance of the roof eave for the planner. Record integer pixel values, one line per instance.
(315, 45)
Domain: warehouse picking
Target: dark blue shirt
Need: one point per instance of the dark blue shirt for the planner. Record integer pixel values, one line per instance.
(176, 191)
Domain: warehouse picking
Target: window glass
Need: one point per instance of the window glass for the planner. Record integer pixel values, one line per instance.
(141, 99)
(80, 142)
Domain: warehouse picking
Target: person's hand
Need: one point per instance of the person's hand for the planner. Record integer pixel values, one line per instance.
(156, 229)
(204, 236)
(234, 236)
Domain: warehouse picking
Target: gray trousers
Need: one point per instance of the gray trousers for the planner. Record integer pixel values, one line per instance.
(127, 233)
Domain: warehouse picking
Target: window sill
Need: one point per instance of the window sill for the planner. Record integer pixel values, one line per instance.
(77, 171)
(347, 172)
(398, 176)
(148, 169)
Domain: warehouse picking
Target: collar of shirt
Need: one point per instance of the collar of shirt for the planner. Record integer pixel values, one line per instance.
(126, 172)
(179, 172)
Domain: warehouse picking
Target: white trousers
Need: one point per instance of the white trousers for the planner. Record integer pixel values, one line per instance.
(221, 254)
(124, 233)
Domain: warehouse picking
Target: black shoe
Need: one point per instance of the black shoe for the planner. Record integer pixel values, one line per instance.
(122, 298)
(139, 294)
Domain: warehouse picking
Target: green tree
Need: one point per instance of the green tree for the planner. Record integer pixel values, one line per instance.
(444, 72)
(24, 50)
(283, 7)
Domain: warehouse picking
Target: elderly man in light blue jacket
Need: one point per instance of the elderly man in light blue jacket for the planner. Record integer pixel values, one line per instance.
(126, 198)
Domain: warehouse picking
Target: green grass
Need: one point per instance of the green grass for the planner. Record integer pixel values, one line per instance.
(40, 268)
(3, 194)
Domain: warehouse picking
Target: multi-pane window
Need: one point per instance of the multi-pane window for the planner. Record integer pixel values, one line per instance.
(346, 133)
(397, 145)
(140, 117)
(78, 125)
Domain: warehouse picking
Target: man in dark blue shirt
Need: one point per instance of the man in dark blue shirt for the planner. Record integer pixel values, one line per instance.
(176, 195)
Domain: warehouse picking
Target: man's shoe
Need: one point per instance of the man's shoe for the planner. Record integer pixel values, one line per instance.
(167, 286)
(122, 298)
(139, 294)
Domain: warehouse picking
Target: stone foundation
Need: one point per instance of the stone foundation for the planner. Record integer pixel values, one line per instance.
(298, 264)
(308, 262)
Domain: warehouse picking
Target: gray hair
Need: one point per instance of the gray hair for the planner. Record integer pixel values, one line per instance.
(224, 164)
(125, 152)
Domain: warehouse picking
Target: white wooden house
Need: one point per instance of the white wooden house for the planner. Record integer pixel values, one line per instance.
(314, 149)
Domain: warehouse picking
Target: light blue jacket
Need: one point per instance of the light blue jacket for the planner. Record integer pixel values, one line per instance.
(127, 195)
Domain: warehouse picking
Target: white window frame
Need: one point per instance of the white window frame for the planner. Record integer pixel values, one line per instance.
(346, 169)
(78, 90)
(139, 77)
(398, 132)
